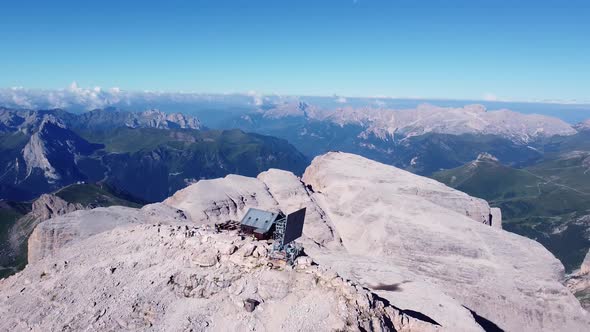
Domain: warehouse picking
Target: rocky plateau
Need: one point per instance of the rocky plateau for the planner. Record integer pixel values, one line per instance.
(385, 250)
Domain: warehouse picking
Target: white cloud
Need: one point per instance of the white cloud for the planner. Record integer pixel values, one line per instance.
(22, 101)
(257, 98)
(77, 99)
(74, 86)
(340, 100)
(379, 103)
(488, 96)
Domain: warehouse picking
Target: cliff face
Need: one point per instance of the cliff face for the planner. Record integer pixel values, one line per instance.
(579, 282)
(420, 247)
(347, 173)
(426, 247)
(48, 206)
(45, 207)
(53, 234)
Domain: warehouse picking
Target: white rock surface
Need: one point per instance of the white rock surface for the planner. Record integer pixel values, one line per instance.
(585, 268)
(158, 119)
(346, 171)
(53, 234)
(229, 198)
(172, 278)
(220, 200)
(426, 118)
(291, 195)
(471, 119)
(48, 206)
(579, 282)
(43, 208)
(35, 155)
(409, 239)
(496, 217)
(428, 245)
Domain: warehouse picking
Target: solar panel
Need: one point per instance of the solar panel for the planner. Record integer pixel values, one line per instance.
(294, 227)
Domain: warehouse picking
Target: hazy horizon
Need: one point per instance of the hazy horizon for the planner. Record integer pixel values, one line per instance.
(459, 50)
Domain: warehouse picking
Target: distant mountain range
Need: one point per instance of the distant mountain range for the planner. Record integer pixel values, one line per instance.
(537, 175)
(215, 109)
(388, 124)
(45, 150)
(423, 140)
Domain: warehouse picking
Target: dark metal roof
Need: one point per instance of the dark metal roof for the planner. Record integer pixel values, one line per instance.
(260, 220)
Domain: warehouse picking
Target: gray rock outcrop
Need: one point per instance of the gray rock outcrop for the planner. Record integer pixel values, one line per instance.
(417, 245)
(48, 206)
(579, 282)
(174, 278)
(585, 267)
(53, 234)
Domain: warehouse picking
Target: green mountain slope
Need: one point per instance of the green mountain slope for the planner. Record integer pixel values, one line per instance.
(488, 179)
(172, 159)
(18, 219)
(10, 212)
(422, 154)
(548, 202)
(149, 155)
(94, 195)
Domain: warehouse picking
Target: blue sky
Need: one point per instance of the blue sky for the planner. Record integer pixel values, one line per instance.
(516, 50)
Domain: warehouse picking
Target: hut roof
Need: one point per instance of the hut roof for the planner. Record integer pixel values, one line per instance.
(260, 220)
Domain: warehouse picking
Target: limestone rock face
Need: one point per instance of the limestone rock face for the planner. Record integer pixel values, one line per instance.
(229, 198)
(351, 170)
(173, 278)
(223, 199)
(51, 235)
(35, 156)
(579, 282)
(48, 206)
(585, 268)
(158, 119)
(421, 248)
(291, 195)
(409, 244)
(496, 217)
(45, 207)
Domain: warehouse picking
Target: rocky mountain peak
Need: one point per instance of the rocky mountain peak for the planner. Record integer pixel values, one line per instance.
(152, 118)
(206, 278)
(50, 145)
(412, 251)
(476, 108)
(427, 118)
(48, 206)
(484, 156)
(583, 126)
(35, 155)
